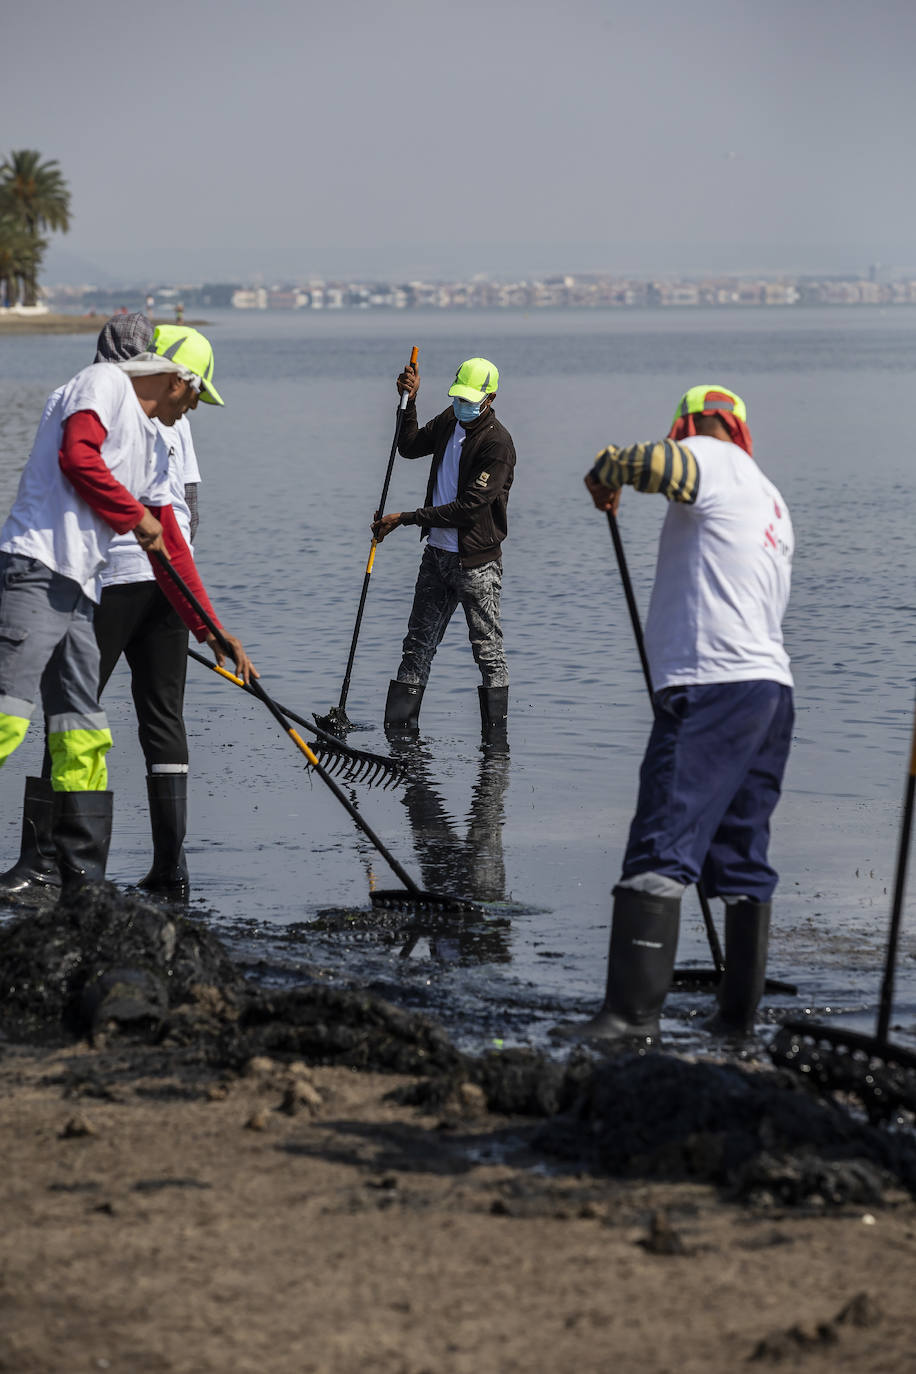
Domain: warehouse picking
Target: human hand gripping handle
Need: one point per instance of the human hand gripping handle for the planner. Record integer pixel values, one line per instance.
(382, 525)
(605, 498)
(409, 380)
(148, 534)
(408, 385)
(221, 643)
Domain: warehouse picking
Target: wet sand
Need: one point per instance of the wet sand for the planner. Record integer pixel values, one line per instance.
(159, 1222)
(198, 1178)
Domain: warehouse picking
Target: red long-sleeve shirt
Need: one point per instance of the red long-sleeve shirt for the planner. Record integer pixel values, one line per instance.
(85, 469)
(183, 563)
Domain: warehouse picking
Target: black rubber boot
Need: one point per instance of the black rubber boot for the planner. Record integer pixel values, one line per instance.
(644, 933)
(402, 708)
(82, 836)
(36, 868)
(168, 810)
(494, 710)
(747, 938)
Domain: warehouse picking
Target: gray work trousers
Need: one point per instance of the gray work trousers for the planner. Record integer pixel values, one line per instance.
(441, 584)
(48, 648)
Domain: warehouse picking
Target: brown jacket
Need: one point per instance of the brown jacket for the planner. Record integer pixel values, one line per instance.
(485, 473)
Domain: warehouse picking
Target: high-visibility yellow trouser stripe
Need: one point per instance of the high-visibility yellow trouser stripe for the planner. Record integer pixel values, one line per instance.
(78, 760)
(12, 733)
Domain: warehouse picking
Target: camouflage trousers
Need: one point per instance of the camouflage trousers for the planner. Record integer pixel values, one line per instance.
(441, 584)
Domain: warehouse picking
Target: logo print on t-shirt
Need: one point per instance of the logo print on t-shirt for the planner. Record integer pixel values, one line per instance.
(770, 536)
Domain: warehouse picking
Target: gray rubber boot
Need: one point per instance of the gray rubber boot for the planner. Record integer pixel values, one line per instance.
(36, 868)
(494, 710)
(747, 938)
(402, 708)
(644, 932)
(82, 836)
(168, 811)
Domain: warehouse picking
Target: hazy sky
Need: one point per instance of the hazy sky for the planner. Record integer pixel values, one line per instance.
(281, 139)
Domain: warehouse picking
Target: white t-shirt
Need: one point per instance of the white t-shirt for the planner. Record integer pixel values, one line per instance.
(446, 490)
(126, 560)
(722, 576)
(49, 521)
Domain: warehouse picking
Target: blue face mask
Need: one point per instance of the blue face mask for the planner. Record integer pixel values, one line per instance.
(466, 411)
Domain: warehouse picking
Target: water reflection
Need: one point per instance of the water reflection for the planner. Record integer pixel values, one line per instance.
(469, 864)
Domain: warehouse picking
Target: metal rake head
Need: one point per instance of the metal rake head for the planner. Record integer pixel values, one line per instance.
(359, 766)
(882, 1076)
(400, 899)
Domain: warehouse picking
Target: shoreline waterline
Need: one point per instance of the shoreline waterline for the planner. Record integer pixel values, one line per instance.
(12, 325)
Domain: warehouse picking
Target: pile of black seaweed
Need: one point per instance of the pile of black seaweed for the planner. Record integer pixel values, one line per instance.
(108, 964)
(760, 1134)
(104, 958)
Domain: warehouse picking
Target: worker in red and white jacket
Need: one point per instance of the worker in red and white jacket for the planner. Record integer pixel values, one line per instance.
(99, 467)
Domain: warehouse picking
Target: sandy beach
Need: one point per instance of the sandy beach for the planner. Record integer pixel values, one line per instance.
(62, 324)
(51, 324)
(295, 1219)
(202, 1177)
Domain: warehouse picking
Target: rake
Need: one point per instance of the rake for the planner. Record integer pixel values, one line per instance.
(412, 897)
(341, 760)
(880, 1074)
(337, 718)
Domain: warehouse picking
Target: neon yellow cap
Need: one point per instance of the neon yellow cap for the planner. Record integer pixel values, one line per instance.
(189, 349)
(710, 397)
(475, 379)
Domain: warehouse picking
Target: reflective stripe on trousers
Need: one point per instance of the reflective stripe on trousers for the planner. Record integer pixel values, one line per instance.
(48, 649)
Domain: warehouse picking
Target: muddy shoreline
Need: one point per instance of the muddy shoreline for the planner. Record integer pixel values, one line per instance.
(203, 1174)
(61, 324)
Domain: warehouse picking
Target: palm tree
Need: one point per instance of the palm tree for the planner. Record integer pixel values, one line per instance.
(34, 195)
(18, 259)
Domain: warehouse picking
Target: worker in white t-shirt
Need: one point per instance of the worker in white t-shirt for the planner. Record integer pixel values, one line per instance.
(133, 618)
(98, 468)
(713, 768)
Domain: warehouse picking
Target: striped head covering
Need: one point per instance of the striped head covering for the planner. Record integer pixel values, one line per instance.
(715, 400)
(123, 337)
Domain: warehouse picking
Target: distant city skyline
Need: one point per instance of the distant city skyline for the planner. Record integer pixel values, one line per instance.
(67, 270)
(565, 290)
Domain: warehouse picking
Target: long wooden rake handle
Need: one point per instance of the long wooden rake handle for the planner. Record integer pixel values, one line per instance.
(903, 850)
(297, 739)
(402, 406)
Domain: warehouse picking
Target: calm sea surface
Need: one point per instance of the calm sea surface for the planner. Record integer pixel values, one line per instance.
(292, 471)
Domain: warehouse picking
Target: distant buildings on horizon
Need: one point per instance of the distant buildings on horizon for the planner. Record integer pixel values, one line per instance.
(567, 291)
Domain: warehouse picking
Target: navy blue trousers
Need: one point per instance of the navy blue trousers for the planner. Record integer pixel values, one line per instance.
(709, 783)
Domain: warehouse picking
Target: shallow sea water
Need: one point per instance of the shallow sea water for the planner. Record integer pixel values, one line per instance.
(292, 470)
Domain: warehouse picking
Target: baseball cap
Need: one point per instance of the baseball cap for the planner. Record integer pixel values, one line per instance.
(474, 379)
(189, 350)
(703, 399)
